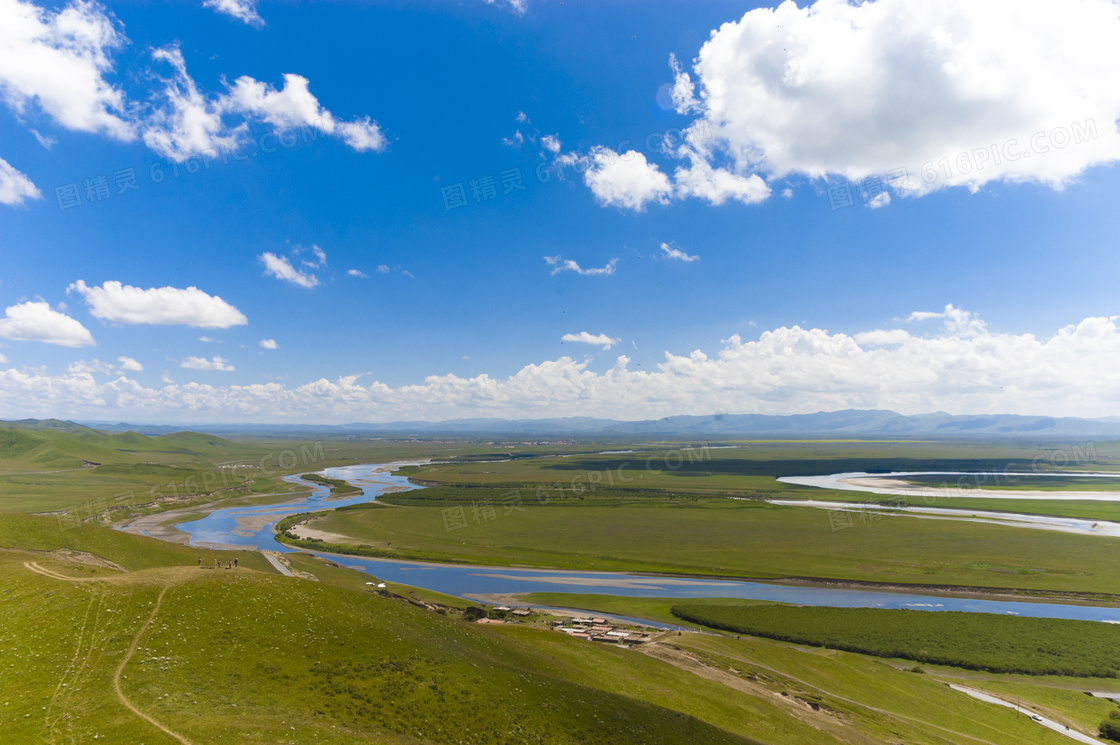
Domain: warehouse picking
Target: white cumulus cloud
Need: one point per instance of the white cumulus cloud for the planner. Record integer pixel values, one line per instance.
(269, 344)
(281, 268)
(716, 185)
(358, 273)
(628, 181)
(57, 62)
(37, 321)
(294, 105)
(190, 121)
(1008, 90)
(214, 364)
(962, 367)
(598, 340)
(121, 303)
(129, 365)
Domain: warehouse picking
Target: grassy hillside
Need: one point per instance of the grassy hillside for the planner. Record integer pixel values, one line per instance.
(132, 552)
(95, 475)
(243, 656)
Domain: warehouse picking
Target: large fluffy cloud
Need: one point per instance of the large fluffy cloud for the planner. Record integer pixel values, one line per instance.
(961, 366)
(631, 182)
(190, 122)
(187, 122)
(39, 322)
(627, 180)
(58, 63)
(1002, 90)
(294, 105)
(122, 303)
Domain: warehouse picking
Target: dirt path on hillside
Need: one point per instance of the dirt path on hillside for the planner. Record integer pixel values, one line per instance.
(131, 650)
(55, 575)
(120, 669)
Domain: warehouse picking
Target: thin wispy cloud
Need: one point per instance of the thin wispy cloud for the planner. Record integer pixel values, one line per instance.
(243, 10)
(319, 261)
(15, 187)
(671, 252)
(214, 364)
(559, 264)
(281, 268)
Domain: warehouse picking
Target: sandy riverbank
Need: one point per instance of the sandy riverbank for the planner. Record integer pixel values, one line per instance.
(882, 485)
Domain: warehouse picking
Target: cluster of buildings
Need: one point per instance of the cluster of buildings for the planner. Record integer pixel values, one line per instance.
(590, 628)
(598, 630)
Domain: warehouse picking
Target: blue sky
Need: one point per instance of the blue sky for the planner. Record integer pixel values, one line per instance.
(294, 164)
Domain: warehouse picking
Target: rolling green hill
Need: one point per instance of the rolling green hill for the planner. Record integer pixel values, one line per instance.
(166, 654)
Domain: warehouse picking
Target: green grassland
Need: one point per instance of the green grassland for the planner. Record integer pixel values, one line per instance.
(974, 641)
(249, 657)
(131, 552)
(738, 539)
(691, 471)
(750, 468)
(48, 467)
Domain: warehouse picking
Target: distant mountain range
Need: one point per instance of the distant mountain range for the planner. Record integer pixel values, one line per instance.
(848, 423)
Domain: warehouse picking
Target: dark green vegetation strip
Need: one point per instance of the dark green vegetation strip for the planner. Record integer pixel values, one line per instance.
(338, 487)
(975, 641)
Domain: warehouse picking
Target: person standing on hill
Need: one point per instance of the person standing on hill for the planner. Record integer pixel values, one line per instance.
(235, 562)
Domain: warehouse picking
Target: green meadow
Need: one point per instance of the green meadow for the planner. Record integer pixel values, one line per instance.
(735, 539)
(108, 636)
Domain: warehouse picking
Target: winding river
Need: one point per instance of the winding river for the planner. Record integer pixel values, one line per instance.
(252, 527)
